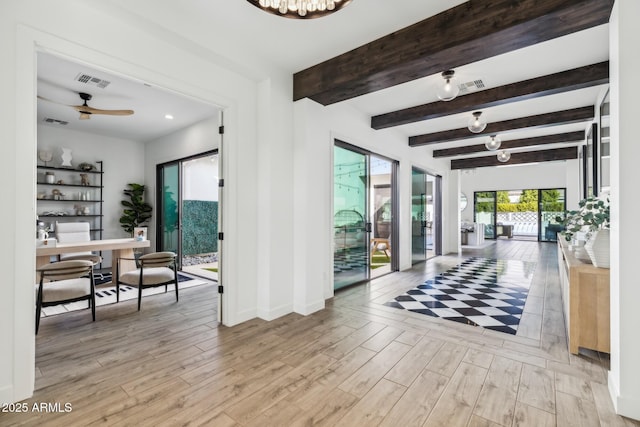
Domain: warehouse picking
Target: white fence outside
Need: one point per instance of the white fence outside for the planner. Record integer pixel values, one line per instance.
(525, 223)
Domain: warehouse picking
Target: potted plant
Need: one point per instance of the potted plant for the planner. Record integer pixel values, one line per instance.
(136, 211)
(592, 218)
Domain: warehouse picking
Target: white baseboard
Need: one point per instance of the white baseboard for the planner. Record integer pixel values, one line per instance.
(627, 407)
(308, 309)
(273, 314)
(6, 394)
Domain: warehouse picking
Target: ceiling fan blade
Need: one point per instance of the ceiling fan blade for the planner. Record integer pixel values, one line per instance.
(52, 101)
(91, 110)
(113, 112)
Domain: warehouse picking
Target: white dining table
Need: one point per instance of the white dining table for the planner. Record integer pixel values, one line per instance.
(120, 248)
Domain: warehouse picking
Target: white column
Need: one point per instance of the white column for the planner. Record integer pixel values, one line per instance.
(624, 377)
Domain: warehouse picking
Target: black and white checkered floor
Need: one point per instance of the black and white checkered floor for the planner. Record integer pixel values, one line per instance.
(345, 261)
(480, 291)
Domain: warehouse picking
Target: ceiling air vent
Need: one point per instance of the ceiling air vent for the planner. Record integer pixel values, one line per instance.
(91, 80)
(55, 121)
(469, 87)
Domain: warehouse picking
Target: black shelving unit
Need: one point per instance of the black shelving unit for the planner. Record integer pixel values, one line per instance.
(66, 173)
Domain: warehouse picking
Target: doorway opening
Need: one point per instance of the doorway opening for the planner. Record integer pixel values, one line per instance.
(364, 215)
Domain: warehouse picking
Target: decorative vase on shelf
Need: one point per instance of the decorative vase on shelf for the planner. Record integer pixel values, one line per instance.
(66, 157)
(580, 252)
(598, 248)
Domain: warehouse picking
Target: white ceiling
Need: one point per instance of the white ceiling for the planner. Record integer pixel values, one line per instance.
(293, 45)
(57, 82)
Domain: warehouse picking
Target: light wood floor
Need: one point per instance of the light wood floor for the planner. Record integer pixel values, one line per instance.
(356, 363)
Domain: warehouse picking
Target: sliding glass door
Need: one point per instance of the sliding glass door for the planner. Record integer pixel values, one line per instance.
(365, 215)
(350, 212)
(528, 214)
(552, 204)
(382, 203)
(426, 222)
(188, 212)
(484, 204)
(168, 218)
(418, 215)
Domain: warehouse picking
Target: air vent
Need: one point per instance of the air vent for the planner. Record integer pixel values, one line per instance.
(91, 80)
(55, 121)
(471, 86)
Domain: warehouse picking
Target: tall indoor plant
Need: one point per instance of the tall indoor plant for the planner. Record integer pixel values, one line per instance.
(136, 211)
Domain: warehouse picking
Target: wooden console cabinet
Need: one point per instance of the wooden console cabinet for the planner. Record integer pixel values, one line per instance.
(585, 299)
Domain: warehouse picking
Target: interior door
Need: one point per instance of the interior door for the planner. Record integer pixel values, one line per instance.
(351, 233)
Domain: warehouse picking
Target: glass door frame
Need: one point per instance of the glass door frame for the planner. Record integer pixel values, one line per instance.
(160, 199)
(395, 259)
(437, 213)
(490, 229)
(436, 223)
(540, 211)
(366, 272)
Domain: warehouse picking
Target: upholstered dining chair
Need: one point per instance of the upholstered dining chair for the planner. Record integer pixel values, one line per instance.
(64, 282)
(154, 269)
(74, 232)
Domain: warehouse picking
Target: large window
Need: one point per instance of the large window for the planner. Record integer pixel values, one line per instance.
(521, 214)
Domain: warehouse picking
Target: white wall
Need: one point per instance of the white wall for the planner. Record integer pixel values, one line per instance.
(123, 162)
(83, 32)
(624, 377)
(316, 127)
(201, 179)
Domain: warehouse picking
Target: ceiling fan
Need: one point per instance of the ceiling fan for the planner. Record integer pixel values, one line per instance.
(86, 111)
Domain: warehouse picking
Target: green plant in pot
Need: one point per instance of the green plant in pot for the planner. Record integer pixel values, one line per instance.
(136, 211)
(591, 215)
(592, 218)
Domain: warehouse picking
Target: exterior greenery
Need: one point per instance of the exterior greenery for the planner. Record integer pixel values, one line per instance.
(136, 211)
(528, 201)
(199, 227)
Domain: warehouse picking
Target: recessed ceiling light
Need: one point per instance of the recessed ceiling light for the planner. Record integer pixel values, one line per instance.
(168, 116)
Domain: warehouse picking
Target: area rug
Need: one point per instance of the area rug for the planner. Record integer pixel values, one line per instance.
(490, 293)
(107, 294)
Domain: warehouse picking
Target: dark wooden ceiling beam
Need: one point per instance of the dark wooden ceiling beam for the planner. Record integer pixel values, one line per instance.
(565, 81)
(568, 137)
(470, 32)
(574, 115)
(566, 153)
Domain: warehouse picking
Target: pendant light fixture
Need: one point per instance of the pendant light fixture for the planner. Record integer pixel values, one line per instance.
(449, 90)
(476, 123)
(503, 156)
(301, 9)
(493, 143)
